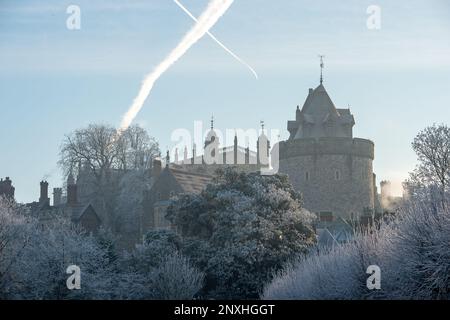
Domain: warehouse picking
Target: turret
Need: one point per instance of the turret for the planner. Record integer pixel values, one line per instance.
(44, 199)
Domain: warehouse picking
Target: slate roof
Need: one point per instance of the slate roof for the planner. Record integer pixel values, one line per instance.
(320, 118)
(191, 182)
(77, 211)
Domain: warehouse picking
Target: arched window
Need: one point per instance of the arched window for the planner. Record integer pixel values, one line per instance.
(337, 175)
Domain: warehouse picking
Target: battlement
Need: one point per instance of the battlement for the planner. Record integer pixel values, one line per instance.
(327, 146)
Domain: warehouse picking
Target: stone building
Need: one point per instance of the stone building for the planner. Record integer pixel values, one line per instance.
(83, 214)
(331, 168)
(215, 156)
(171, 181)
(6, 188)
(192, 175)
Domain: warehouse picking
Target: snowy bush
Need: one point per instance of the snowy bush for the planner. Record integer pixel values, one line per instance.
(412, 251)
(34, 256)
(175, 279)
(160, 270)
(419, 254)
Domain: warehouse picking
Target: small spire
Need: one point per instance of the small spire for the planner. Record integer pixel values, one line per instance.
(321, 67)
(212, 122)
(262, 125)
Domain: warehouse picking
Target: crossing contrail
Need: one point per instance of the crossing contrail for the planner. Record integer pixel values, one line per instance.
(217, 40)
(209, 17)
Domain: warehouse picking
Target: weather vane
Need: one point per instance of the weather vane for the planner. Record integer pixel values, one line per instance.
(321, 56)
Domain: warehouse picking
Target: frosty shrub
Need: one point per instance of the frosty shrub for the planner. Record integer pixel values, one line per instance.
(240, 229)
(175, 279)
(418, 256)
(413, 252)
(160, 270)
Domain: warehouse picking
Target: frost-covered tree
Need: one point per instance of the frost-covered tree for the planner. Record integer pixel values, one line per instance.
(14, 228)
(430, 180)
(137, 149)
(240, 229)
(40, 271)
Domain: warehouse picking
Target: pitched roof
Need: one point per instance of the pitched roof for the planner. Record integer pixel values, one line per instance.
(319, 103)
(320, 118)
(75, 212)
(191, 182)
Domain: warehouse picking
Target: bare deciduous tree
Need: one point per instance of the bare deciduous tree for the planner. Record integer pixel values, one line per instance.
(101, 148)
(104, 155)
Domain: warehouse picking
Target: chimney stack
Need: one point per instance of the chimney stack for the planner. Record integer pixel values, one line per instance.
(44, 193)
(72, 195)
(156, 168)
(6, 188)
(57, 197)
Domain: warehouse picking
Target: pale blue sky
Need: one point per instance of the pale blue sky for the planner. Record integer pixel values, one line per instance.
(53, 80)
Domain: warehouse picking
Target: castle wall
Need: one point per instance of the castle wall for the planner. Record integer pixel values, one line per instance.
(333, 174)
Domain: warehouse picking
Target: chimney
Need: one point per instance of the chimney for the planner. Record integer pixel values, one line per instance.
(57, 197)
(156, 168)
(44, 193)
(72, 194)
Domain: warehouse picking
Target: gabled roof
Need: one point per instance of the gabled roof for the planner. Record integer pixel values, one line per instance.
(76, 212)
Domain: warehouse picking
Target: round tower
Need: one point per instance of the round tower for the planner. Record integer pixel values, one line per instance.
(331, 169)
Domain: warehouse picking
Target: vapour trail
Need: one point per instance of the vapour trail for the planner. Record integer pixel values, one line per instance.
(209, 17)
(217, 40)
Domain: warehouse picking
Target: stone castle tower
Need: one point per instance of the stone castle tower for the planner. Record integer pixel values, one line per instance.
(332, 169)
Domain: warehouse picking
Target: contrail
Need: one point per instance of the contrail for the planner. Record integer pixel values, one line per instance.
(209, 17)
(217, 40)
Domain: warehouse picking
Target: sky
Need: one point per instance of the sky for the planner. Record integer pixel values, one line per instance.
(395, 79)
